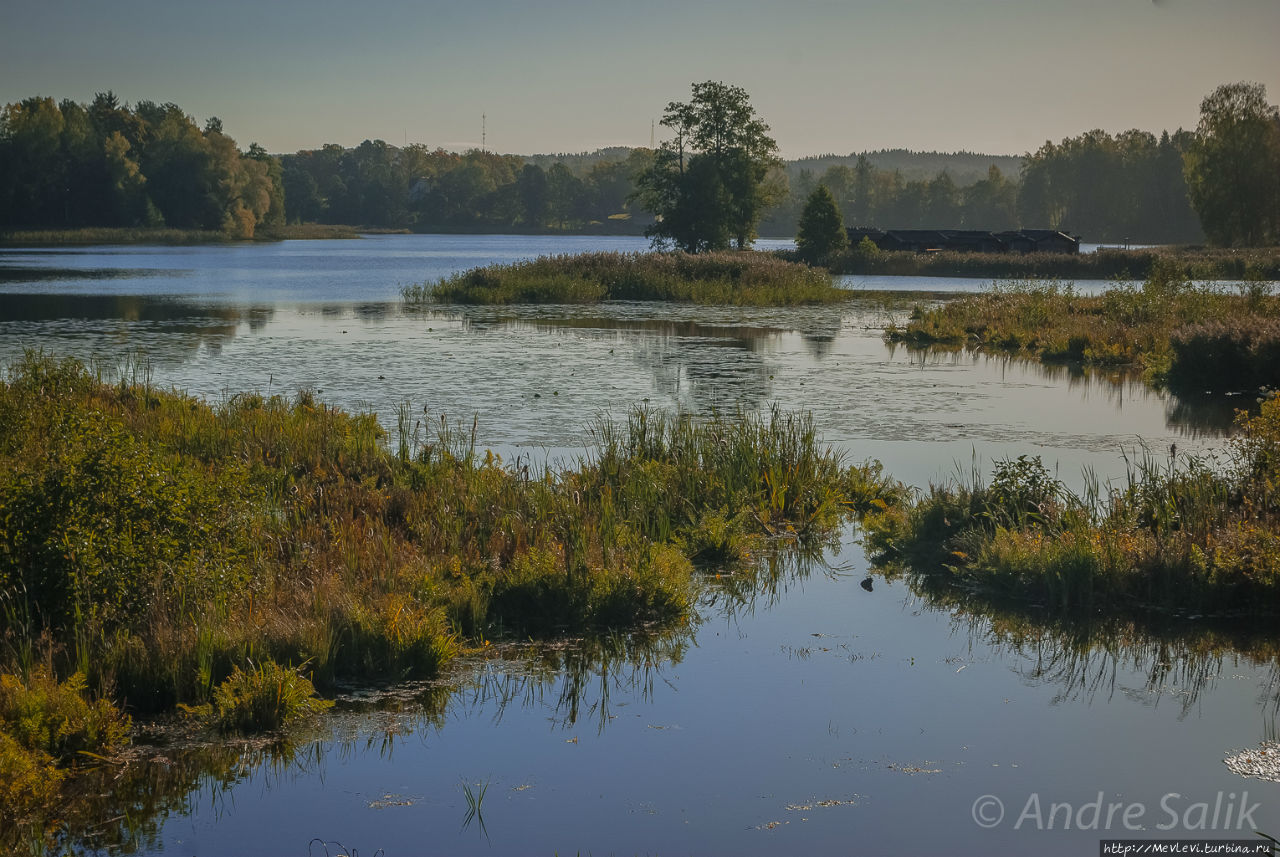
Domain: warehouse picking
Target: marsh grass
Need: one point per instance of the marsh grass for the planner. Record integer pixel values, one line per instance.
(1192, 263)
(1196, 338)
(474, 796)
(740, 279)
(170, 551)
(1190, 536)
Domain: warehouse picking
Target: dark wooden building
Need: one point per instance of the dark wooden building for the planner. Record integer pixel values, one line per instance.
(968, 240)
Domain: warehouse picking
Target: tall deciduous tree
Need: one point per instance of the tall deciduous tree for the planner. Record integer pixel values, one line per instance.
(821, 230)
(1233, 166)
(710, 184)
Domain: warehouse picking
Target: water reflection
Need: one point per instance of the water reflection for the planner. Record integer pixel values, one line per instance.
(1176, 661)
(1204, 417)
(34, 274)
(108, 329)
(589, 683)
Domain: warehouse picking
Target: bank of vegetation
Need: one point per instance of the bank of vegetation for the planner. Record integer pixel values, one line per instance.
(1198, 263)
(1181, 535)
(98, 235)
(159, 552)
(1196, 338)
(731, 278)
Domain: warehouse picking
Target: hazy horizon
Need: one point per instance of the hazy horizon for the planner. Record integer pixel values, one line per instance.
(987, 77)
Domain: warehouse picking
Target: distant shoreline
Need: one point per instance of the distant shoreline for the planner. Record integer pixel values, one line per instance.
(1197, 262)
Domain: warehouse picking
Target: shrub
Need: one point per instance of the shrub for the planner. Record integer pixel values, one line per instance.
(29, 781)
(263, 698)
(58, 719)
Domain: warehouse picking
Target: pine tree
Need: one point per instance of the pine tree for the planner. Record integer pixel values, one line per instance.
(821, 232)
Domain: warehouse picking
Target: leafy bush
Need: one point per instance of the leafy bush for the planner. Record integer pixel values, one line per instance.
(58, 719)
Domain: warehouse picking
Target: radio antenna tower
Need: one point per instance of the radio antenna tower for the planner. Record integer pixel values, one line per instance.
(650, 133)
(484, 130)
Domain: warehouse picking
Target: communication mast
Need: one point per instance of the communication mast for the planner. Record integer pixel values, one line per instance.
(484, 133)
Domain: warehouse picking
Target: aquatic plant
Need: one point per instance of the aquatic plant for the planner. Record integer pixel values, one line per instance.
(740, 279)
(264, 697)
(475, 805)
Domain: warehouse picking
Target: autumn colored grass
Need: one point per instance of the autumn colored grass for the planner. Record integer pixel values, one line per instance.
(164, 551)
(1197, 338)
(1190, 536)
(1192, 263)
(739, 279)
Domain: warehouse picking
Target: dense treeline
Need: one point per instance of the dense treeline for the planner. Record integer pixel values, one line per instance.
(433, 190)
(1103, 187)
(1127, 186)
(868, 196)
(66, 165)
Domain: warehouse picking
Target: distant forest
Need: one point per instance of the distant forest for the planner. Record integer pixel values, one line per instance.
(68, 165)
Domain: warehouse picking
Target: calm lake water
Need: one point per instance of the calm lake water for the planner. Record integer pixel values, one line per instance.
(801, 713)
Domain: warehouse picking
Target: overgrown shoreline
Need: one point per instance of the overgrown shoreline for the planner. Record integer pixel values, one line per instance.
(1190, 263)
(94, 235)
(1196, 338)
(157, 551)
(726, 278)
(1191, 537)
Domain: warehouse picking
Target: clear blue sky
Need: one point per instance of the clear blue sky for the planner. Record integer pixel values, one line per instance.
(572, 75)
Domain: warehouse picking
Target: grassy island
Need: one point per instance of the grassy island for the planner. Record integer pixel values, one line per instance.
(739, 279)
(1196, 338)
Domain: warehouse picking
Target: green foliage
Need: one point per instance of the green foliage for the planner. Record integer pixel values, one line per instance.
(1195, 536)
(747, 279)
(99, 527)
(266, 697)
(69, 165)
(1233, 166)
(821, 230)
(29, 782)
(1194, 337)
(45, 728)
(1127, 187)
(176, 541)
(708, 185)
(56, 718)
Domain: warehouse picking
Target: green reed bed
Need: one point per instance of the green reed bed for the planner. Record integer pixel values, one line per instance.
(1194, 263)
(740, 279)
(161, 551)
(1195, 337)
(1186, 535)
